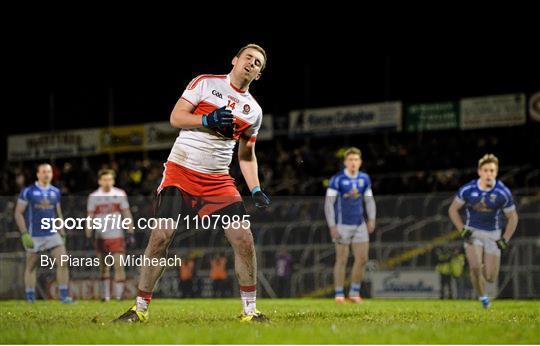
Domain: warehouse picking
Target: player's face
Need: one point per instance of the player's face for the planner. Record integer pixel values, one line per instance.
(248, 65)
(353, 163)
(106, 182)
(44, 174)
(488, 173)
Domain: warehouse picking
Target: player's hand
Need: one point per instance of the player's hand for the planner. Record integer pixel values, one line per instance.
(465, 233)
(27, 241)
(218, 118)
(371, 226)
(260, 198)
(502, 244)
(130, 240)
(334, 233)
(88, 243)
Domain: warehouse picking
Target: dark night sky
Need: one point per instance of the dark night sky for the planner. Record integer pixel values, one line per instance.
(147, 78)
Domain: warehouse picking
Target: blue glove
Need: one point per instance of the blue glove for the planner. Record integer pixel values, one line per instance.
(218, 118)
(261, 200)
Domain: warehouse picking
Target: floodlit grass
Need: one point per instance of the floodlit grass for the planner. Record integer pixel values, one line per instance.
(318, 321)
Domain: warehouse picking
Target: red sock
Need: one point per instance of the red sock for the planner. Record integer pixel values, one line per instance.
(146, 296)
(248, 288)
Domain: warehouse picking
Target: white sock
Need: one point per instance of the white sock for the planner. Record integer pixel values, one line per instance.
(118, 289)
(249, 301)
(106, 288)
(142, 305)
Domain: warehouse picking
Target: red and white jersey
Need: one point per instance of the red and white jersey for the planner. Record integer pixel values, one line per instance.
(209, 151)
(101, 204)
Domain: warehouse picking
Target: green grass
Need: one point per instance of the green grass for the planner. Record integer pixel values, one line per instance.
(316, 321)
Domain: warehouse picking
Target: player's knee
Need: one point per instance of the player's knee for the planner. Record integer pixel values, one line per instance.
(159, 241)
(244, 243)
(241, 239)
(360, 260)
(476, 270)
(341, 261)
(490, 277)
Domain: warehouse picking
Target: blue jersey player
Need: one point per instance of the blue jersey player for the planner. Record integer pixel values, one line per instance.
(349, 190)
(37, 202)
(486, 200)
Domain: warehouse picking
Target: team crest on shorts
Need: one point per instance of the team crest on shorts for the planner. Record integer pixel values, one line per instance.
(247, 109)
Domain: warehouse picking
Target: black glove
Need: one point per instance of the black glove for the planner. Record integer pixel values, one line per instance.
(130, 240)
(465, 233)
(502, 244)
(261, 200)
(219, 118)
(88, 243)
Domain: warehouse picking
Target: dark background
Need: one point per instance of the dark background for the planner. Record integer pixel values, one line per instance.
(146, 78)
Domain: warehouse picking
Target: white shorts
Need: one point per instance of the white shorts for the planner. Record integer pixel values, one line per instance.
(487, 240)
(46, 243)
(348, 234)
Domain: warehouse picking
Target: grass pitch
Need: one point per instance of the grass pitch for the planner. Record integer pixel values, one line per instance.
(318, 321)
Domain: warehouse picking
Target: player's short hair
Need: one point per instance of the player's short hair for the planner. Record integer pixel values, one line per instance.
(488, 158)
(352, 151)
(41, 165)
(106, 171)
(257, 48)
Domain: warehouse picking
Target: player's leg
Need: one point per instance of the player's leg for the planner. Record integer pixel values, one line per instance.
(118, 251)
(360, 252)
(245, 260)
(62, 273)
(30, 276)
(492, 261)
(340, 266)
(360, 248)
(343, 241)
(105, 277)
(245, 263)
(474, 253)
(169, 205)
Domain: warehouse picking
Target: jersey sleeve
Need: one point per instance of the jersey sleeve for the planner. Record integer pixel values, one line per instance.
(333, 187)
(509, 204)
(194, 91)
(368, 192)
(58, 196)
(252, 131)
(460, 195)
(23, 196)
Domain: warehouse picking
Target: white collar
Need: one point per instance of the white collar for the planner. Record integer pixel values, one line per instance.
(42, 187)
(485, 190)
(350, 176)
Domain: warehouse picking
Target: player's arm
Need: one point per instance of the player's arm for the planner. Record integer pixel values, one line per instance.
(19, 216)
(21, 224)
(126, 214)
(329, 212)
(453, 213)
(182, 117)
(371, 209)
(511, 224)
(250, 170)
(61, 217)
(88, 230)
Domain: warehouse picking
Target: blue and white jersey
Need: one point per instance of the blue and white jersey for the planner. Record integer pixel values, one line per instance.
(41, 203)
(484, 208)
(349, 190)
